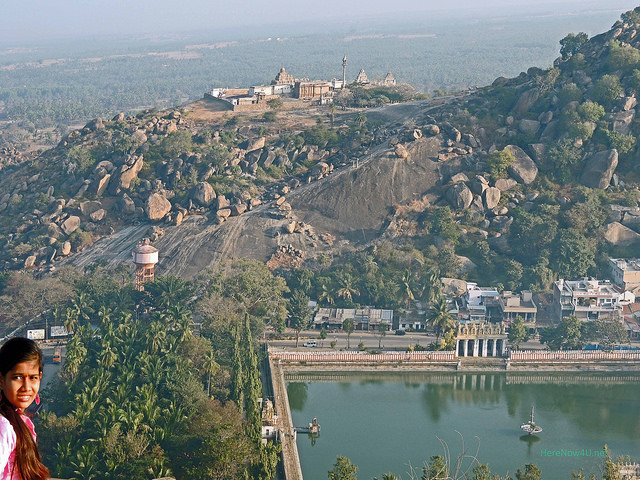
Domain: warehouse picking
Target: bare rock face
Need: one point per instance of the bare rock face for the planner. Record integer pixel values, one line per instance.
(619, 235)
(223, 213)
(526, 100)
(157, 207)
(459, 196)
(599, 169)
(459, 177)
(491, 197)
(70, 225)
(204, 194)
(319, 170)
(66, 248)
(524, 170)
(95, 124)
(628, 103)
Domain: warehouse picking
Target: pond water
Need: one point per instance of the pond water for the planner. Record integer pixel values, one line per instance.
(392, 423)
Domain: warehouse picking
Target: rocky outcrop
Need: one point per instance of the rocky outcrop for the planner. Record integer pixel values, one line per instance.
(126, 173)
(599, 169)
(157, 207)
(524, 170)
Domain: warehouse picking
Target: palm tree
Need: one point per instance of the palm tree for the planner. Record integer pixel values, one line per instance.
(347, 289)
(210, 367)
(434, 285)
(439, 316)
(326, 296)
(406, 286)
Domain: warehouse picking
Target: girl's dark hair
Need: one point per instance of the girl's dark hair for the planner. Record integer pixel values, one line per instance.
(17, 350)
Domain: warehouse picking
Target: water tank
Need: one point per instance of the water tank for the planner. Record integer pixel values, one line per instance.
(145, 255)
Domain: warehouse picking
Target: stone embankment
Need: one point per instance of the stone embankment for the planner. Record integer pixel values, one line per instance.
(290, 459)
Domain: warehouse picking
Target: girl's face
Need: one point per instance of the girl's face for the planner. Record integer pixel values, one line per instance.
(21, 384)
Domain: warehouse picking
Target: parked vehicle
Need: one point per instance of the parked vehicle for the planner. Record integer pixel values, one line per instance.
(400, 332)
(310, 343)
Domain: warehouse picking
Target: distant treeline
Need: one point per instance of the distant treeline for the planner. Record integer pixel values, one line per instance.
(64, 83)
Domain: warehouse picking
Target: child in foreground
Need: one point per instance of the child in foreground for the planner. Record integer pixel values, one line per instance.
(20, 373)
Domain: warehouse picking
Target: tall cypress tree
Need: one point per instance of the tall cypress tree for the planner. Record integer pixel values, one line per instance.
(252, 386)
(237, 376)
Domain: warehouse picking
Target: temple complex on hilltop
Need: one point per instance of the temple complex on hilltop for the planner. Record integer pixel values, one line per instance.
(298, 92)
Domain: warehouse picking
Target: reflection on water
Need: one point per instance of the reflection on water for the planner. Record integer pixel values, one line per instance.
(400, 419)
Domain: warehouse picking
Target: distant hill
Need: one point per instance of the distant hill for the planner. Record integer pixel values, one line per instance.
(519, 182)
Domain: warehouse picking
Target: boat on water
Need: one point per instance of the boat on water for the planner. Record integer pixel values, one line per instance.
(530, 427)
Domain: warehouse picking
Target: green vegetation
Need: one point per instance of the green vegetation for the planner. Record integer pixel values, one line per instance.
(498, 162)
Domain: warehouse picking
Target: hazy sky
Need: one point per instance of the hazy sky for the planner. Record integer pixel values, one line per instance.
(39, 19)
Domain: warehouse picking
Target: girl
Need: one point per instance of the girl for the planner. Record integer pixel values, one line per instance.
(20, 374)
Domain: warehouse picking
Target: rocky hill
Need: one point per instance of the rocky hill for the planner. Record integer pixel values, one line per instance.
(549, 147)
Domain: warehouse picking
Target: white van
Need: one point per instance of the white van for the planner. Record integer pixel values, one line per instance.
(310, 343)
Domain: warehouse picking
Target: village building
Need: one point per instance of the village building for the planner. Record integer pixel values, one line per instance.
(631, 320)
(626, 274)
(479, 304)
(588, 299)
(363, 318)
(513, 306)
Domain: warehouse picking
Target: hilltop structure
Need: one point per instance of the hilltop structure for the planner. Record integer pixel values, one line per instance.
(285, 85)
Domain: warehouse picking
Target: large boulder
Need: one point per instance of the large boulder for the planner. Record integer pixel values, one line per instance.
(203, 194)
(622, 121)
(599, 169)
(479, 184)
(504, 184)
(529, 127)
(619, 235)
(255, 144)
(524, 170)
(126, 204)
(157, 206)
(491, 197)
(459, 196)
(71, 224)
(98, 187)
(87, 208)
(526, 101)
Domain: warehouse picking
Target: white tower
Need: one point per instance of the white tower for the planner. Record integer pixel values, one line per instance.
(145, 257)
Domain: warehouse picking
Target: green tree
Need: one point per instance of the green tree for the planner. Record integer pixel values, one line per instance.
(348, 327)
(439, 316)
(518, 333)
(299, 312)
(573, 254)
(498, 163)
(607, 90)
(572, 43)
(622, 57)
(323, 336)
(343, 469)
(436, 470)
(531, 472)
(381, 331)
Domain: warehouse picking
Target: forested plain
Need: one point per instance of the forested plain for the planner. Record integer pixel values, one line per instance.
(72, 81)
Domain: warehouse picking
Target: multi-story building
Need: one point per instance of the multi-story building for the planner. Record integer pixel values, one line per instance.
(513, 305)
(625, 273)
(587, 299)
(479, 304)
